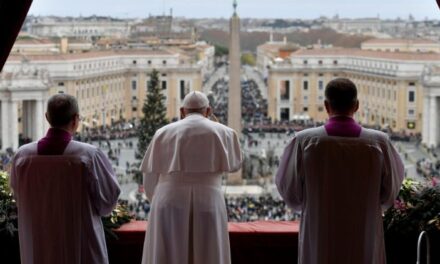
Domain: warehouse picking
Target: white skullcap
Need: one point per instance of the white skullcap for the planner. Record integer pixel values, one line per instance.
(195, 100)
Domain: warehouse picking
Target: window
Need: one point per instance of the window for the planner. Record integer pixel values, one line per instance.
(134, 62)
(335, 62)
(411, 112)
(149, 62)
(305, 85)
(411, 96)
(320, 85)
(164, 62)
(305, 62)
(133, 85)
(285, 90)
(305, 109)
(164, 85)
(320, 108)
(134, 109)
(134, 98)
(320, 62)
(61, 84)
(184, 89)
(284, 114)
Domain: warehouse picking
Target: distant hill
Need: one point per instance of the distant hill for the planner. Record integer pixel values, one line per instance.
(250, 40)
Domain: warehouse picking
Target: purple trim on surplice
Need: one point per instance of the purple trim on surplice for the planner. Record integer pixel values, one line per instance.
(342, 126)
(55, 142)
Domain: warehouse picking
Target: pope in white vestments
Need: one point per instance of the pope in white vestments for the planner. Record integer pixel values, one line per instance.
(341, 176)
(182, 169)
(62, 188)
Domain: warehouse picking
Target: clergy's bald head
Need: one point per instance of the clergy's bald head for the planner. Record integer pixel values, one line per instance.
(195, 102)
(341, 97)
(62, 111)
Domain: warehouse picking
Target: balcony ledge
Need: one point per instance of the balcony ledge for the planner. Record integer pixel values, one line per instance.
(251, 242)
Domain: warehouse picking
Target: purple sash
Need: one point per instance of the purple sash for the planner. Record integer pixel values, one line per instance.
(342, 126)
(55, 142)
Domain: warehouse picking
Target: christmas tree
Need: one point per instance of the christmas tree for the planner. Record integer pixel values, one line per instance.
(154, 114)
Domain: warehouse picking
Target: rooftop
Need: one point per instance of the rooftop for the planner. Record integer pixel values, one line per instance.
(407, 56)
(399, 41)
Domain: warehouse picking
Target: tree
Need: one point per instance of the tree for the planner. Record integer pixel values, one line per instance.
(154, 112)
(248, 59)
(221, 51)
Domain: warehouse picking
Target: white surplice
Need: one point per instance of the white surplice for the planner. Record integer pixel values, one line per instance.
(60, 202)
(341, 185)
(182, 170)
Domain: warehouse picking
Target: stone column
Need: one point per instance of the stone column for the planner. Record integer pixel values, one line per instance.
(45, 123)
(39, 120)
(5, 125)
(433, 121)
(14, 125)
(27, 119)
(234, 94)
(426, 121)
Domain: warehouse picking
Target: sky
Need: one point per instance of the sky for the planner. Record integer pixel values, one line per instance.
(304, 9)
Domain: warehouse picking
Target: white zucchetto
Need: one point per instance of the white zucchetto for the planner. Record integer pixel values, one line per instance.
(195, 100)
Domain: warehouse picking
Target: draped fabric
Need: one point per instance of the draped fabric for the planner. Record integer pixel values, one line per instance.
(60, 203)
(182, 171)
(341, 185)
(342, 126)
(55, 142)
(194, 144)
(12, 16)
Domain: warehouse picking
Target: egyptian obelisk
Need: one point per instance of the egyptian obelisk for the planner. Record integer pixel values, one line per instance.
(234, 96)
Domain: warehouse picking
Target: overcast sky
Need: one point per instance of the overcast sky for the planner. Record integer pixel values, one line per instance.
(246, 8)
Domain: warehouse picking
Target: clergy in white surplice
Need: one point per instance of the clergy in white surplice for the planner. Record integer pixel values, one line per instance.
(62, 188)
(182, 170)
(342, 177)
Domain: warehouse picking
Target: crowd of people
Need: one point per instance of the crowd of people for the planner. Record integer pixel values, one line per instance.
(253, 208)
(428, 168)
(242, 208)
(253, 105)
(266, 125)
(120, 130)
(5, 159)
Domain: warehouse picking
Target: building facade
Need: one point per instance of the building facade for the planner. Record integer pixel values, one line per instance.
(401, 45)
(110, 86)
(390, 87)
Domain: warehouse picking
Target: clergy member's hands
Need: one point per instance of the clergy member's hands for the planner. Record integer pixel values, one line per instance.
(212, 117)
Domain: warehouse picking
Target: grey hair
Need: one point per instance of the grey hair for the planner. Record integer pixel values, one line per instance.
(61, 109)
(196, 110)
